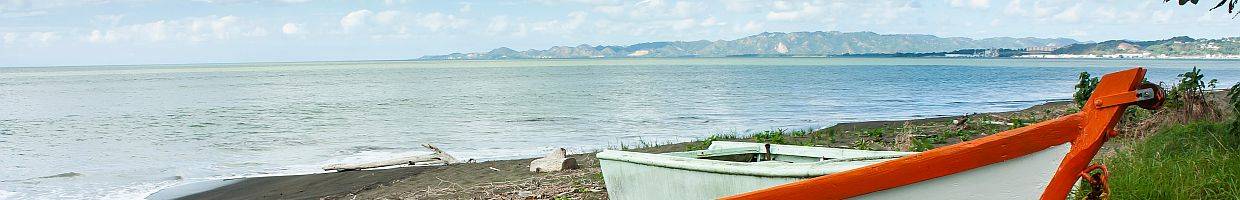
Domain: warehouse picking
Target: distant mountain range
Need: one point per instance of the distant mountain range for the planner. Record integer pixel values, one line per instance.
(1176, 46)
(867, 44)
(772, 43)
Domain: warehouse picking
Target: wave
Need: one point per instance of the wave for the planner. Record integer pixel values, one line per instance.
(5, 195)
(543, 119)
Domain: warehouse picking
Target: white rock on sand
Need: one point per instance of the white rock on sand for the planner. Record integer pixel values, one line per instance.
(556, 161)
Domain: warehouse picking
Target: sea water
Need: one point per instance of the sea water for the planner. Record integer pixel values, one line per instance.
(123, 132)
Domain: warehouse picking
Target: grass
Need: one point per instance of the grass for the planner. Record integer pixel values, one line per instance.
(774, 137)
(641, 144)
(1198, 160)
(701, 145)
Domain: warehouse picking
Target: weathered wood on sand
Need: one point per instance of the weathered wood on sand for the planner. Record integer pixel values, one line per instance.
(438, 157)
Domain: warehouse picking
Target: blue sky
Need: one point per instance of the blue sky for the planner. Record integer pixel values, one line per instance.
(109, 32)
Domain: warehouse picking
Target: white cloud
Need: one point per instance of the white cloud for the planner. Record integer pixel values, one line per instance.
(1078, 33)
(45, 37)
(1071, 14)
(685, 8)
(9, 38)
(711, 21)
(97, 36)
(749, 27)
(220, 27)
(1040, 11)
(34, 39)
(1162, 16)
(437, 21)
(388, 17)
(1105, 14)
(1211, 16)
(1015, 8)
(108, 20)
(610, 9)
(248, 1)
(355, 19)
(970, 3)
(498, 24)
(739, 6)
(290, 28)
(794, 13)
(885, 12)
(653, 9)
(684, 24)
(466, 8)
(28, 5)
(194, 29)
(575, 19)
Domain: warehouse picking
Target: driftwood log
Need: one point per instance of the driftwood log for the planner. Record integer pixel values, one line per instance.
(438, 157)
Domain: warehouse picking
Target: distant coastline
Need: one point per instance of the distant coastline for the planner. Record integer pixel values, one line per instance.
(869, 44)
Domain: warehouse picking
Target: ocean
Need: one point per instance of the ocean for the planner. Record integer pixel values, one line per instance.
(124, 132)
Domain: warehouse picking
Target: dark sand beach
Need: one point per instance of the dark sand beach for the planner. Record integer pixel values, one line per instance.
(511, 179)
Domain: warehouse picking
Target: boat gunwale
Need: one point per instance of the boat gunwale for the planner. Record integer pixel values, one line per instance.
(759, 169)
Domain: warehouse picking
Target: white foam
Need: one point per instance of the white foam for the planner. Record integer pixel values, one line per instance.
(139, 191)
(4, 195)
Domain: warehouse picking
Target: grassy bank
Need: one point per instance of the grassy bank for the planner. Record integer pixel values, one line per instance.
(1193, 161)
(908, 135)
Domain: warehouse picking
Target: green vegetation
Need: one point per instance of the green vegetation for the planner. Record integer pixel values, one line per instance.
(1234, 100)
(1191, 87)
(701, 145)
(641, 144)
(873, 133)
(1084, 87)
(1193, 161)
(1176, 46)
(922, 144)
(773, 137)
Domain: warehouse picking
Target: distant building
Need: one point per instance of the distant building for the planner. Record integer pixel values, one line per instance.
(1040, 50)
(990, 53)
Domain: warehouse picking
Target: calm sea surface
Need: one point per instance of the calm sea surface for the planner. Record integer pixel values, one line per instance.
(123, 132)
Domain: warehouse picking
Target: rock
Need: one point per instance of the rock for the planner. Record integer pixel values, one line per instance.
(524, 195)
(557, 160)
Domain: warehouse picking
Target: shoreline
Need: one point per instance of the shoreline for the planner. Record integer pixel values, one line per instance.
(446, 180)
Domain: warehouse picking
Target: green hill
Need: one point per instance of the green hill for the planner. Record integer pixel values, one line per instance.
(1177, 46)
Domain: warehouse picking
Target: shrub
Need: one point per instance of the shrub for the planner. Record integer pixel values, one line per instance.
(1190, 88)
(1084, 87)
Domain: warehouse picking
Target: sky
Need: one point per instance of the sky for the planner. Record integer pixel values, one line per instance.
(120, 32)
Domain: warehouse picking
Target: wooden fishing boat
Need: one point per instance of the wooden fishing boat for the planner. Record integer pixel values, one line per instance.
(724, 168)
(1042, 161)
